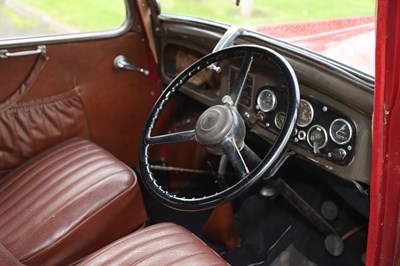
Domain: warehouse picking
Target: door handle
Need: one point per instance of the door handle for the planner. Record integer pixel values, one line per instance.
(4, 53)
(120, 62)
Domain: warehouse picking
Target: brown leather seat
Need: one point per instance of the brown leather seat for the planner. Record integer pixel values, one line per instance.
(161, 244)
(74, 199)
(66, 203)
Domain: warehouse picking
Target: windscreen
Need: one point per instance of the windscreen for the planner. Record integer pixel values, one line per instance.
(343, 30)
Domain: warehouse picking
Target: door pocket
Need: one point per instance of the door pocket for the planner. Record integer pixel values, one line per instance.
(26, 128)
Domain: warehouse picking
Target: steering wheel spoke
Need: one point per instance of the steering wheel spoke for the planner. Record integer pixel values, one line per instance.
(235, 157)
(241, 78)
(250, 157)
(183, 136)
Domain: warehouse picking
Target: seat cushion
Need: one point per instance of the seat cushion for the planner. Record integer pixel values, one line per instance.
(66, 203)
(161, 244)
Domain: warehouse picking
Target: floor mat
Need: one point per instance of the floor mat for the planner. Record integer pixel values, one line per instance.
(292, 257)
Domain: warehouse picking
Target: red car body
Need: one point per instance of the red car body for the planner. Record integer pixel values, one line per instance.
(384, 234)
(349, 41)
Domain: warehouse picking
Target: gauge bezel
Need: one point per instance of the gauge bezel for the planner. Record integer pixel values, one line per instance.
(275, 119)
(274, 101)
(325, 133)
(350, 131)
(312, 113)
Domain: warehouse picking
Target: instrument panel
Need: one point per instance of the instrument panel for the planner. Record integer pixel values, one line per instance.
(333, 129)
(320, 129)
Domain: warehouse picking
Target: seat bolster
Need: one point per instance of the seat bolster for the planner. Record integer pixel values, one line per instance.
(161, 244)
(68, 202)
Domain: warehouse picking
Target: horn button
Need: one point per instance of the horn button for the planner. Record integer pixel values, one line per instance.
(217, 124)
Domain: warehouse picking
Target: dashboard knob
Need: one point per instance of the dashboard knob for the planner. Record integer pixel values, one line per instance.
(252, 118)
(337, 154)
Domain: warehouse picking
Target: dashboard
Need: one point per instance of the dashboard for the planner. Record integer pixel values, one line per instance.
(333, 129)
(320, 129)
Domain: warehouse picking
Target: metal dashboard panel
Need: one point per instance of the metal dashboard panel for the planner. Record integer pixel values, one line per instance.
(320, 82)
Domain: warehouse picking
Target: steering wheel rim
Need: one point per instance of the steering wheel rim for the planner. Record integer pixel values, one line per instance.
(249, 179)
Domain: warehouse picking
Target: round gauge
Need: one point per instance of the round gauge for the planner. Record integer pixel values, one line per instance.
(280, 119)
(306, 113)
(266, 100)
(340, 131)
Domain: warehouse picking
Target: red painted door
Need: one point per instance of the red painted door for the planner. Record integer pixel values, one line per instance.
(384, 233)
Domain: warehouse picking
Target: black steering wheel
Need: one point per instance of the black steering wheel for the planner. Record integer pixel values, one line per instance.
(221, 129)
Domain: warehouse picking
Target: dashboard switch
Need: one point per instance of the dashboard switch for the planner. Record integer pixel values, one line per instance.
(337, 154)
(316, 148)
(317, 138)
(252, 118)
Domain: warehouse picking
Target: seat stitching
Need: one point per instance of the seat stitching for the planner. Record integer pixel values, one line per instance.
(41, 179)
(28, 165)
(117, 197)
(56, 160)
(53, 183)
(56, 184)
(186, 257)
(160, 251)
(138, 233)
(136, 244)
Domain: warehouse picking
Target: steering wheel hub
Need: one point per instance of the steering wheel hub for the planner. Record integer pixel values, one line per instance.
(218, 123)
(209, 121)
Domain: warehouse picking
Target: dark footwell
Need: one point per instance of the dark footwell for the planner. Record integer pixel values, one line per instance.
(274, 233)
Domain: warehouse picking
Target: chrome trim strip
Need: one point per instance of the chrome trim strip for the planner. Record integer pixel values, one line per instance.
(65, 38)
(228, 38)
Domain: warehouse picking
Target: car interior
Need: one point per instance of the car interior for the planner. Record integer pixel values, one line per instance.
(179, 141)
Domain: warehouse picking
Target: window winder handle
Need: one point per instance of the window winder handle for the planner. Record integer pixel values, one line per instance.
(120, 62)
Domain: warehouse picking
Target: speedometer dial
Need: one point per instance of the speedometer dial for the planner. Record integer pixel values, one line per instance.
(306, 113)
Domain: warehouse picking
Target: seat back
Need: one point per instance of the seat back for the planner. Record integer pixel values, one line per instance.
(68, 202)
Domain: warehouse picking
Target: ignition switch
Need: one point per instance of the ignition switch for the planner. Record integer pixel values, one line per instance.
(317, 138)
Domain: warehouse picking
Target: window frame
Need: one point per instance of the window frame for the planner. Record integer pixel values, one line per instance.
(74, 37)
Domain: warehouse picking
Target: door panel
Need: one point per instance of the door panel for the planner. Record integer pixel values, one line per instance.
(115, 103)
